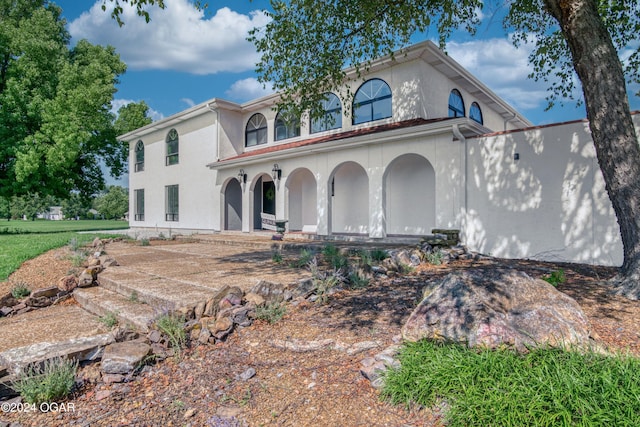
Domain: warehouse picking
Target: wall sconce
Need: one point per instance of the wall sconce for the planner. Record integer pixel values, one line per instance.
(242, 177)
(276, 172)
(516, 156)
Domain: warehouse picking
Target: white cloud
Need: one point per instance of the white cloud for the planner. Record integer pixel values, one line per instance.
(247, 89)
(178, 38)
(190, 102)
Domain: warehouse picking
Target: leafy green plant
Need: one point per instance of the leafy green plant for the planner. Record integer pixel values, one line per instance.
(172, 325)
(134, 297)
(49, 382)
(435, 257)
(74, 245)
(20, 290)
(324, 281)
(502, 387)
(109, 319)
(276, 257)
(357, 281)
(145, 242)
(78, 259)
(334, 257)
(271, 312)
(555, 278)
(306, 255)
(378, 254)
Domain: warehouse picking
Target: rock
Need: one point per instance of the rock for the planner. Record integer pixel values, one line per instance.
(305, 288)
(113, 378)
(220, 325)
(87, 278)
(190, 413)
(68, 283)
(7, 300)
(97, 242)
(123, 357)
(204, 336)
(211, 309)
(154, 336)
(247, 375)
(5, 311)
(272, 292)
(93, 262)
(38, 302)
(106, 261)
(497, 307)
(102, 394)
(240, 315)
(45, 292)
(229, 300)
(199, 310)
(255, 299)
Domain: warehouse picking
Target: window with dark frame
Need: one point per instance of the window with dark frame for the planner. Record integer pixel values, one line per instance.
(475, 113)
(139, 150)
(331, 117)
(139, 204)
(286, 126)
(173, 146)
(372, 102)
(172, 203)
(456, 104)
(256, 131)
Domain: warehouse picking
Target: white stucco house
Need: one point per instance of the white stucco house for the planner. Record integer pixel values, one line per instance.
(424, 145)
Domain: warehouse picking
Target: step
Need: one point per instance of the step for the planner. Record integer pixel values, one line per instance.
(162, 293)
(101, 301)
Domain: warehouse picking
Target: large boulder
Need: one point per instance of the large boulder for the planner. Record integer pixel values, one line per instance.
(124, 357)
(497, 307)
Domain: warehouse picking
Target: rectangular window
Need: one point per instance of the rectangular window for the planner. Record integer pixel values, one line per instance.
(172, 204)
(172, 152)
(138, 196)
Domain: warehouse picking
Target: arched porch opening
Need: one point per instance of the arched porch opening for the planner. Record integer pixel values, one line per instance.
(349, 199)
(302, 201)
(263, 200)
(410, 193)
(232, 205)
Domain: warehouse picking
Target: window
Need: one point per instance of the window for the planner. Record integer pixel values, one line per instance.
(372, 102)
(286, 126)
(256, 131)
(138, 197)
(331, 117)
(139, 165)
(475, 113)
(172, 147)
(171, 202)
(456, 104)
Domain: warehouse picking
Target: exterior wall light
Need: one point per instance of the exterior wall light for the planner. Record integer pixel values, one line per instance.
(242, 177)
(276, 172)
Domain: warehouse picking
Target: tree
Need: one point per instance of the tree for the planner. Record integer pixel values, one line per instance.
(114, 203)
(75, 206)
(55, 122)
(30, 205)
(308, 43)
(131, 117)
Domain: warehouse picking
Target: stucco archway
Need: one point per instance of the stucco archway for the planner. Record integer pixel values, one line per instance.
(409, 196)
(263, 199)
(233, 205)
(349, 193)
(302, 204)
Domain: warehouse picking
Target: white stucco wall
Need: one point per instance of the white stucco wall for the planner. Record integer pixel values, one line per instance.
(549, 204)
(197, 147)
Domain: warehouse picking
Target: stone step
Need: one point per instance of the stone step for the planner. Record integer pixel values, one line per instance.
(101, 301)
(162, 293)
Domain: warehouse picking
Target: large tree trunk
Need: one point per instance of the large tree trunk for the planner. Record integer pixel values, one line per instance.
(597, 64)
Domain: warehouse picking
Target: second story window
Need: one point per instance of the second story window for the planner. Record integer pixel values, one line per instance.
(456, 104)
(475, 113)
(372, 102)
(139, 164)
(256, 131)
(173, 146)
(331, 117)
(286, 126)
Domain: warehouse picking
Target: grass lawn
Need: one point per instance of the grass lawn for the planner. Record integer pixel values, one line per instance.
(24, 240)
(546, 387)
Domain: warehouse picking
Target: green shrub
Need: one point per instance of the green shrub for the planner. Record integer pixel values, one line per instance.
(378, 254)
(435, 257)
(555, 278)
(271, 312)
(276, 257)
(357, 281)
(503, 388)
(306, 255)
(334, 257)
(145, 242)
(172, 325)
(109, 319)
(50, 382)
(20, 290)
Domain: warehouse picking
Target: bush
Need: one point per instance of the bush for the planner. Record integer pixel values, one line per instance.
(20, 290)
(52, 381)
(109, 319)
(435, 257)
(334, 257)
(501, 387)
(271, 312)
(555, 278)
(172, 325)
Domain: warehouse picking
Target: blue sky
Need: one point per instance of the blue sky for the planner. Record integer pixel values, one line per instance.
(184, 57)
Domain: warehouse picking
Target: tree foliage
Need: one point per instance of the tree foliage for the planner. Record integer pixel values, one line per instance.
(132, 116)
(55, 121)
(114, 203)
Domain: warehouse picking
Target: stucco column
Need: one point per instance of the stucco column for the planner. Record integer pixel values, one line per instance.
(323, 195)
(281, 195)
(247, 195)
(377, 222)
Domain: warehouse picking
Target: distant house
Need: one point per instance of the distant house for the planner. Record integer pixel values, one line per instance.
(54, 214)
(424, 145)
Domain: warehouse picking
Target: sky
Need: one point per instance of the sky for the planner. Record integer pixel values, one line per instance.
(184, 57)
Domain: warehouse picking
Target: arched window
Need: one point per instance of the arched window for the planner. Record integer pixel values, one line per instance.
(286, 126)
(372, 102)
(256, 131)
(139, 165)
(173, 146)
(456, 104)
(475, 113)
(332, 114)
